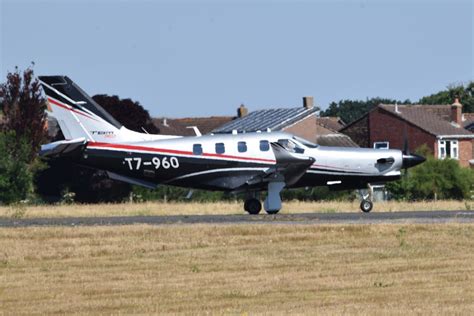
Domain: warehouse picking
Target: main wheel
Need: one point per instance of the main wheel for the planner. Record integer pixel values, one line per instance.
(366, 206)
(272, 212)
(252, 206)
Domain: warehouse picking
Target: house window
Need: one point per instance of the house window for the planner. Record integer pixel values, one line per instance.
(381, 145)
(264, 145)
(220, 148)
(197, 149)
(242, 147)
(448, 149)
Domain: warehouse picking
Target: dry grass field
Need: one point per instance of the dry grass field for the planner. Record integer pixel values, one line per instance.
(160, 208)
(238, 269)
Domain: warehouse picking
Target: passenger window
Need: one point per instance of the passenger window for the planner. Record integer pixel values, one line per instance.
(220, 148)
(197, 149)
(242, 147)
(264, 145)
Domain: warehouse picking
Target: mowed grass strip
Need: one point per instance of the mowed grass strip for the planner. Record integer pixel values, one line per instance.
(193, 208)
(275, 269)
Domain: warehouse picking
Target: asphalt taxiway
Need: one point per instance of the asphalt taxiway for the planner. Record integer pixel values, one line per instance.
(306, 218)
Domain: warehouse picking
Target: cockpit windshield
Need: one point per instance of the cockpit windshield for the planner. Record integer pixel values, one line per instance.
(305, 142)
(291, 146)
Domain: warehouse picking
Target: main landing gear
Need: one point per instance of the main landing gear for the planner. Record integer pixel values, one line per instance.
(252, 206)
(272, 203)
(366, 204)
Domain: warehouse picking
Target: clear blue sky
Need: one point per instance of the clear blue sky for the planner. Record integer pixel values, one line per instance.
(199, 58)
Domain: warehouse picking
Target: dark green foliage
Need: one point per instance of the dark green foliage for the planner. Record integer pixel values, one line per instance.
(169, 193)
(434, 179)
(16, 176)
(88, 185)
(176, 194)
(465, 93)
(128, 112)
(350, 110)
(316, 194)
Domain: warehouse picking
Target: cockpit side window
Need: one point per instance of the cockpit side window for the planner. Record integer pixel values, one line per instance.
(291, 146)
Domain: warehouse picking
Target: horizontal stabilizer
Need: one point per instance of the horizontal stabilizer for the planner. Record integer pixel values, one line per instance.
(63, 148)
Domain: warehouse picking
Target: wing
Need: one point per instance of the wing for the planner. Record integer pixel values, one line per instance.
(289, 168)
(63, 148)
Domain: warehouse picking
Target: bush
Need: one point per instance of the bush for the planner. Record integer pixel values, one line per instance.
(432, 180)
(16, 175)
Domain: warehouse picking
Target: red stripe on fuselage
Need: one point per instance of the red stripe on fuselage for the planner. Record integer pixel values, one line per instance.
(173, 151)
(67, 107)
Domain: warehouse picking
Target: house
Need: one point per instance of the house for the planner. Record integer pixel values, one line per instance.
(181, 126)
(442, 128)
(300, 121)
(327, 133)
(468, 121)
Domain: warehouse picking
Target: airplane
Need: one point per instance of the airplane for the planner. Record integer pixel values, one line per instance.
(248, 163)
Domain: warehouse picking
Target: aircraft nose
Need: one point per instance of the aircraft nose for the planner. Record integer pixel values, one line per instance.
(412, 160)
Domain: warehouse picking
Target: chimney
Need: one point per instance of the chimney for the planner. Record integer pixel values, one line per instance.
(242, 111)
(456, 112)
(308, 102)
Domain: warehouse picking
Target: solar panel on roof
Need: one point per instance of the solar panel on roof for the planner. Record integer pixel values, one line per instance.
(273, 119)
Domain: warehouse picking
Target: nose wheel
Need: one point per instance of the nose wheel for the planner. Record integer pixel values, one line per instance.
(366, 204)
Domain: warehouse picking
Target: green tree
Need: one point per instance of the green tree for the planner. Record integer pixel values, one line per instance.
(434, 179)
(350, 110)
(16, 176)
(22, 131)
(128, 112)
(465, 93)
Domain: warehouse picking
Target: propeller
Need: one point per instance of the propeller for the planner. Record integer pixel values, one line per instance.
(409, 160)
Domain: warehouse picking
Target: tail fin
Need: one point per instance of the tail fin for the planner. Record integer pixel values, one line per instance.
(79, 116)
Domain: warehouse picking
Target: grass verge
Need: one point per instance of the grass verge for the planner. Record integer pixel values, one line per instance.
(159, 208)
(275, 269)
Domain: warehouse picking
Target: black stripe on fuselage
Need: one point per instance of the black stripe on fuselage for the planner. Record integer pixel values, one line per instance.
(205, 173)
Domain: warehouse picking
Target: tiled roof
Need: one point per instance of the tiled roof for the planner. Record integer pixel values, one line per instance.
(333, 123)
(261, 120)
(432, 119)
(179, 126)
(336, 140)
(469, 121)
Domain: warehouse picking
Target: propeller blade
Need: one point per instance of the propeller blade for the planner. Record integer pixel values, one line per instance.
(406, 147)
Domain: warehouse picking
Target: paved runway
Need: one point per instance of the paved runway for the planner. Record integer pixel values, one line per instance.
(309, 218)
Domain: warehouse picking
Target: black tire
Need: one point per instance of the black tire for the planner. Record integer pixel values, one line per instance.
(272, 212)
(253, 206)
(366, 206)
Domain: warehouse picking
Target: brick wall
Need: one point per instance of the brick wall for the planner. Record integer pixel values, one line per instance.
(384, 126)
(466, 151)
(306, 128)
(358, 132)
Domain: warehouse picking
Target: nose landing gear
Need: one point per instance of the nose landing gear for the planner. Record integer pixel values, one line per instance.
(366, 204)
